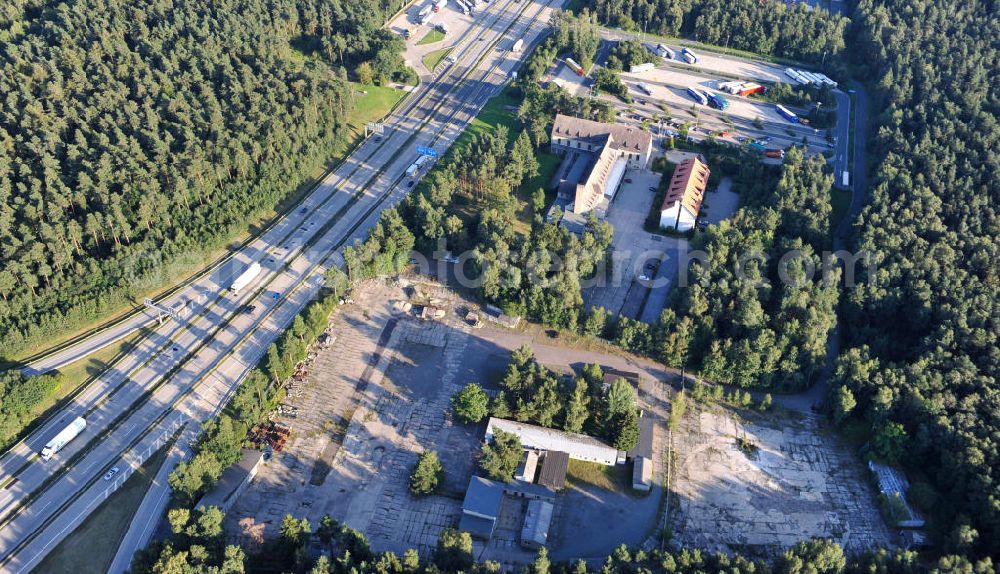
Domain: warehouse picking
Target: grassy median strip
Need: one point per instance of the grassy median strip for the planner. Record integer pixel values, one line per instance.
(431, 37)
(432, 59)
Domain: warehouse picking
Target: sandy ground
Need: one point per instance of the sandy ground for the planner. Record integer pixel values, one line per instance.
(796, 484)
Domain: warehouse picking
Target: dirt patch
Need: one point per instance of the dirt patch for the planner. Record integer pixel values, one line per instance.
(750, 484)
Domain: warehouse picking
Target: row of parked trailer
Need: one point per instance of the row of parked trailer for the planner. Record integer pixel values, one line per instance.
(810, 78)
(741, 88)
(667, 53)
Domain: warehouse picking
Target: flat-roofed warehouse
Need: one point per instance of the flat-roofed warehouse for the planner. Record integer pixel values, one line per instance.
(577, 446)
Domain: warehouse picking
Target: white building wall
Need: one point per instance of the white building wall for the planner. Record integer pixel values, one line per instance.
(679, 216)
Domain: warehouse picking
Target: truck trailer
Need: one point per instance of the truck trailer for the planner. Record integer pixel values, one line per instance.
(748, 89)
(717, 101)
(574, 66)
(442, 27)
(65, 435)
(689, 56)
(425, 12)
(787, 114)
(245, 278)
(665, 52)
(698, 96)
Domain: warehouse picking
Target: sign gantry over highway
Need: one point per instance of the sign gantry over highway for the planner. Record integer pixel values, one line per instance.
(428, 151)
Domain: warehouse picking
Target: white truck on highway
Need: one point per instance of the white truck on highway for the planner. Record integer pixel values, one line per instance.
(245, 278)
(67, 434)
(415, 166)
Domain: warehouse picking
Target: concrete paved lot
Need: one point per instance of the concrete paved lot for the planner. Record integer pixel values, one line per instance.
(635, 249)
(799, 484)
(720, 203)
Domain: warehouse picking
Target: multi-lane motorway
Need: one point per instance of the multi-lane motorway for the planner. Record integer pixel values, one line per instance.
(185, 370)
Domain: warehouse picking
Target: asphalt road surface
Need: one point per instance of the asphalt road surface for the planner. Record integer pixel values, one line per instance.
(187, 369)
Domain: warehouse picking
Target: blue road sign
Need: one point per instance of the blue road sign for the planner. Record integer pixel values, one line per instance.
(428, 151)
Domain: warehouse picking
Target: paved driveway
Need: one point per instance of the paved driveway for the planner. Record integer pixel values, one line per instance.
(633, 249)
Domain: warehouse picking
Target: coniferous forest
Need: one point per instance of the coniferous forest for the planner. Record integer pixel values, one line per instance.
(131, 135)
(923, 349)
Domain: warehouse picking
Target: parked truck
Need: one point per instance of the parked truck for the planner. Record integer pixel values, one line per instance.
(439, 4)
(442, 27)
(689, 56)
(65, 435)
(517, 45)
(575, 67)
(425, 12)
(717, 101)
(748, 89)
(644, 88)
(245, 278)
(787, 114)
(665, 52)
(775, 153)
(697, 95)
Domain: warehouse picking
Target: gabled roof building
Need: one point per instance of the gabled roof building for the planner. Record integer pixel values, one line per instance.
(597, 155)
(684, 196)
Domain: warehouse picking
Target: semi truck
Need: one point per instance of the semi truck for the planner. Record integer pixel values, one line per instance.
(717, 101)
(698, 96)
(748, 89)
(574, 66)
(439, 4)
(730, 87)
(245, 278)
(689, 56)
(775, 153)
(787, 114)
(517, 45)
(665, 52)
(644, 88)
(65, 435)
(415, 166)
(442, 27)
(425, 12)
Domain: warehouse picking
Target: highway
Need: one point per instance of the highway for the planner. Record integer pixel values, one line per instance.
(185, 370)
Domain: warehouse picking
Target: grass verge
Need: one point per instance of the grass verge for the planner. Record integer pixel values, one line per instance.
(431, 36)
(432, 59)
(92, 546)
(617, 478)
